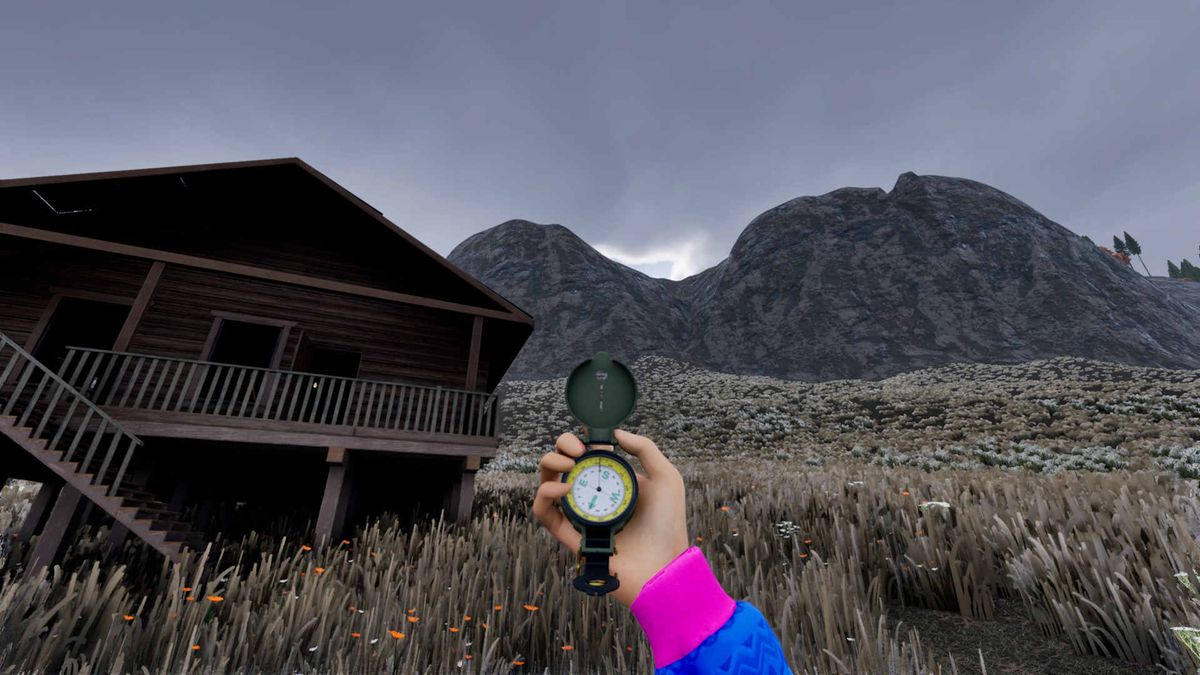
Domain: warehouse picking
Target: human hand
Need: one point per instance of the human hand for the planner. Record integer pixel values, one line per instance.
(654, 536)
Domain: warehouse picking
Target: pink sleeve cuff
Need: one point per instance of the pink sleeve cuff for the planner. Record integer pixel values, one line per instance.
(680, 606)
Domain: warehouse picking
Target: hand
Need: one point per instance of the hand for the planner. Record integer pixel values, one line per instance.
(656, 533)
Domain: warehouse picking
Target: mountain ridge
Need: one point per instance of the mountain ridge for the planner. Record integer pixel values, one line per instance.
(855, 283)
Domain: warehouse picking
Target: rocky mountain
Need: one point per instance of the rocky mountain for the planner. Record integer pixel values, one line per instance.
(856, 283)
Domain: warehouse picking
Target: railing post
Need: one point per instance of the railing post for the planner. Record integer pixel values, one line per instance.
(133, 443)
(21, 382)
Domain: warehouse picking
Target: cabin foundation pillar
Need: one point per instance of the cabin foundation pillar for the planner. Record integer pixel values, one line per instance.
(332, 518)
(38, 512)
(115, 540)
(462, 490)
(56, 526)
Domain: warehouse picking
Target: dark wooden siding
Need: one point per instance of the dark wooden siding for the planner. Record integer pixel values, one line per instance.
(29, 270)
(397, 341)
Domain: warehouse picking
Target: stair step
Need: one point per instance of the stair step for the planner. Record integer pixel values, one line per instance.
(143, 495)
(185, 536)
(170, 523)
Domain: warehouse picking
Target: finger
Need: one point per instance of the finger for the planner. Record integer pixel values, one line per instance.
(551, 518)
(553, 465)
(656, 464)
(569, 444)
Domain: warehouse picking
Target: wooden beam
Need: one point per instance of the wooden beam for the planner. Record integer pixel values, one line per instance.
(38, 511)
(331, 519)
(242, 435)
(140, 303)
(178, 424)
(51, 538)
(473, 360)
(252, 271)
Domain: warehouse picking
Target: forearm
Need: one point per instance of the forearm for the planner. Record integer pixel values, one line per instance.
(694, 626)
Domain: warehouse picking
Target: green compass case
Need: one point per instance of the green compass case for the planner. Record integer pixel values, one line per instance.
(601, 392)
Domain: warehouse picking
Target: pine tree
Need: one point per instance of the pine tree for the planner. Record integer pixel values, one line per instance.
(1172, 270)
(1118, 245)
(1136, 249)
(1188, 271)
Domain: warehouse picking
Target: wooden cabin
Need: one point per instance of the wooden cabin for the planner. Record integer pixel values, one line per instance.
(214, 348)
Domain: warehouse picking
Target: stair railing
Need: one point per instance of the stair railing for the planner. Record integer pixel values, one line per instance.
(55, 412)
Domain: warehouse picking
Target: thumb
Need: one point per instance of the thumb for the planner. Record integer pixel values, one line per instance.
(657, 465)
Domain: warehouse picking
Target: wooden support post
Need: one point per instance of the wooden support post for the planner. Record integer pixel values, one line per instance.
(115, 540)
(179, 495)
(139, 306)
(38, 511)
(331, 519)
(462, 490)
(473, 359)
(51, 538)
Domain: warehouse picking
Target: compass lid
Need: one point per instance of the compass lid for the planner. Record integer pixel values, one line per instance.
(601, 392)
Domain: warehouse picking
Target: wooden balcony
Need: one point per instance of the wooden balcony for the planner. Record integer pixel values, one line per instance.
(170, 397)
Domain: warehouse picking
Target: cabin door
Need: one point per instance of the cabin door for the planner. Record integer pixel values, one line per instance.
(243, 349)
(78, 322)
(330, 396)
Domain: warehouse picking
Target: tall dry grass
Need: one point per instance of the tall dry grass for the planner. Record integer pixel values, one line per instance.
(820, 552)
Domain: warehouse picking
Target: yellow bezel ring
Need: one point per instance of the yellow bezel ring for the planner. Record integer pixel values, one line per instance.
(614, 465)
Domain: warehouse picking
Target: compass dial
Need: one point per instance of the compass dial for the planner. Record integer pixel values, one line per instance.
(601, 489)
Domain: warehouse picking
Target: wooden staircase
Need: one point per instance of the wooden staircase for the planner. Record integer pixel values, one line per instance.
(84, 446)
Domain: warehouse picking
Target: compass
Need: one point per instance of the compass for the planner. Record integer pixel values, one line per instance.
(601, 393)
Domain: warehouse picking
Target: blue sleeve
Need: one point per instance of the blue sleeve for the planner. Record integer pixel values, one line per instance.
(745, 644)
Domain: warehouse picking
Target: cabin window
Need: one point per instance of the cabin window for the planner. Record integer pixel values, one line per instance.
(79, 322)
(245, 344)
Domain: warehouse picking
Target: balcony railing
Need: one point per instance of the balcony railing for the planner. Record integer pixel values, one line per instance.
(143, 382)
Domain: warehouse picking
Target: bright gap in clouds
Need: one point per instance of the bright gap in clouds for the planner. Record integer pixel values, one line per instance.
(679, 261)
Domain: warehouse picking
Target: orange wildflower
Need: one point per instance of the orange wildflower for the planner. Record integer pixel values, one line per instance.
(413, 619)
(905, 493)
(532, 608)
(803, 555)
(567, 648)
(468, 657)
(356, 635)
(453, 629)
(396, 634)
(345, 542)
(187, 589)
(195, 648)
(496, 608)
(319, 570)
(808, 541)
(129, 617)
(191, 598)
(724, 508)
(305, 547)
(518, 663)
(466, 617)
(412, 610)
(215, 598)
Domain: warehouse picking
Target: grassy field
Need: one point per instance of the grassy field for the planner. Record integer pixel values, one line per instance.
(1022, 519)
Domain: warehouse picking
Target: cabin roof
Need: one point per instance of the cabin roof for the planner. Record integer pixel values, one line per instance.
(279, 169)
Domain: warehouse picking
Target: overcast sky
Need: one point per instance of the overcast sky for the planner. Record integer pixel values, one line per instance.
(654, 130)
